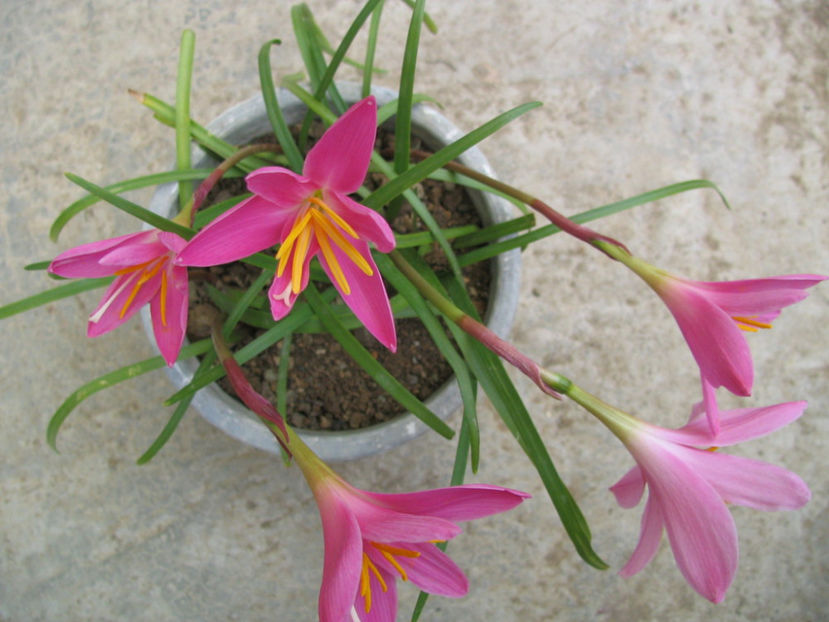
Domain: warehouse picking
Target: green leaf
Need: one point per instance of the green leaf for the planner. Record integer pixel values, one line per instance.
(208, 214)
(497, 248)
(50, 295)
(133, 209)
(175, 418)
(495, 232)
(303, 23)
(123, 186)
(430, 23)
(280, 128)
(185, 74)
(374, 369)
(465, 382)
(371, 47)
(38, 265)
(111, 379)
(422, 169)
(403, 121)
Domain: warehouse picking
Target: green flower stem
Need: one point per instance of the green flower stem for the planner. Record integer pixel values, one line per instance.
(585, 234)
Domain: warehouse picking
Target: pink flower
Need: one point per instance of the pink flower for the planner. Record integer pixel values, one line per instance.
(689, 488)
(312, 215)
(144, 266)
(714, 315)
(372, 539)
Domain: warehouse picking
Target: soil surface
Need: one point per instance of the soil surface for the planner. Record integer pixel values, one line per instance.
(326, 389)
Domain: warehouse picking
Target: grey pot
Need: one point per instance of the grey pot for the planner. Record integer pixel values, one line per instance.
(247, 120)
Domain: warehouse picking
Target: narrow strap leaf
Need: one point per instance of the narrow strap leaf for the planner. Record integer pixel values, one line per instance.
(374, 369)
(183, 79)
(280, 128)
(51, 295)
(123, 186)
(133, 209)
(403, 121)
(427, 20)
(175, 418)
(282, 374)
(111, 379)
(371, 47)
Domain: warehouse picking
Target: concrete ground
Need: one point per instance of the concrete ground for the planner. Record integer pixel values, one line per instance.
(636, 95)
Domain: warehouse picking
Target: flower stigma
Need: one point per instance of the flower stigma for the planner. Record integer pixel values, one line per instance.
(317, 219)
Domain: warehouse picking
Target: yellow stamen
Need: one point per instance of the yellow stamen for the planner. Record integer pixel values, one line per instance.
(285, 248)
(344, 244)
(388, 552)
(331, 259)
(302, 244)
(333, 215)
(749, 324)
(146, 276)
(365, 580)
(164, 298)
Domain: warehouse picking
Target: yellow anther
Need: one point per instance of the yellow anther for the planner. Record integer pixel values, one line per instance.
(163, 298)
(333, 215)
(146, 276)
(749, 324)
(344, 244)
(365, 580)
(388, 552)
(302, 244)
(333, 264)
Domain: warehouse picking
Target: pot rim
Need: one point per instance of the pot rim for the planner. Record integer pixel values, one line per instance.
(247, 120)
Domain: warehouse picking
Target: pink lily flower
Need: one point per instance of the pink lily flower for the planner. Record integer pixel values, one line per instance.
(144, 266)
(689, 488)
(312, 215)
(372, 539)
(714, 315)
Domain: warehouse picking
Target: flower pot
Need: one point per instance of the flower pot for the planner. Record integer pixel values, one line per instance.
(248, 120)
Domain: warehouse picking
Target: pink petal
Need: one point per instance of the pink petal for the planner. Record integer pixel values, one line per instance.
(108, 311)
(367, 223)
(83, 261)
(172, 241)
(750, 483)
(280, 186)
(383, 604)
(170, 336)
(380, 524)
(650, 536)
(339, 160)
(710, 407)
(700, 527)
(343, 557)
(717, 344)
(134, 254)
(456, 503)
(758, 296)
(368, 298)
(249, 227)
(629, 489)
(433, 572)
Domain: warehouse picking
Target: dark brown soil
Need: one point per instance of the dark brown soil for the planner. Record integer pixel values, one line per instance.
(326, 388)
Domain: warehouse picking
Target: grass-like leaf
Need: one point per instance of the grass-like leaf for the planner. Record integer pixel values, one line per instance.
(403, 120)
(486, 252)
(465, 382)
(124, 186)
(371, 48)
(427, 20)
(208, 214)
(374, 369)
(183, 79)
(131, 208)
(111, 379)
(50, 295)
(280, 127)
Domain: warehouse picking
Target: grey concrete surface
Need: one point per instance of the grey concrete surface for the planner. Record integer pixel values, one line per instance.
(636, 95)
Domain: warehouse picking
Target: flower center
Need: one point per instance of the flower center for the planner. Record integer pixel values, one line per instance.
(749, 324)
(138, 276)
(388, 552)
(319, 220)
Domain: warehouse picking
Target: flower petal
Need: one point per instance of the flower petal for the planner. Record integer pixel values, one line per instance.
(108, 314)
(717, 344)
(339, 160)
(751, 483)
(758, 296)
(367, 223)
(368, 298)
(343, 557)
(650, 536)
(433, 571)
(455, 503)
(169, 327)
(629, 489)
(83, 261)
(134, 253)
(381, 524)
(280, 293)
(251, 226)
(383, 602)
(280, 186)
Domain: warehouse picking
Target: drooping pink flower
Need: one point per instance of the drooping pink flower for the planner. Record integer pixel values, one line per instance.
(373, 539)
(312, 215)
(713, 317)
(690, 486)
(144, 266)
